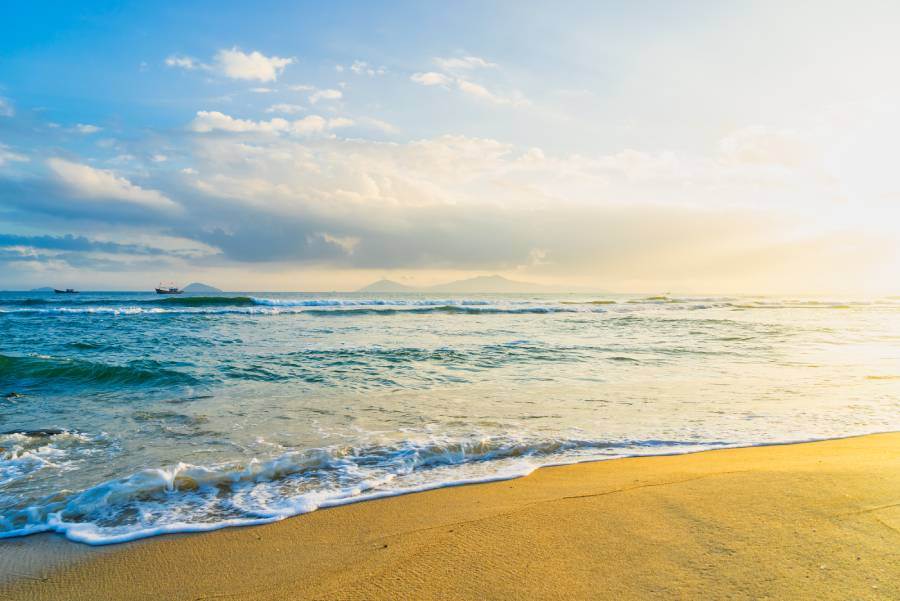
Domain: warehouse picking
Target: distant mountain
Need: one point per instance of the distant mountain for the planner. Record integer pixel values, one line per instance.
(43, 289)
(483, 283)
(387, 286)
(487, 283)
(198, 287)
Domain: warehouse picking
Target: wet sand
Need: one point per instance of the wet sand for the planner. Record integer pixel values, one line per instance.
(806, 521)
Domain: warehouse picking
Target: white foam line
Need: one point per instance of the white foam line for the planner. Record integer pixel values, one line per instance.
(310, 310)
(184, 527)
(338, 302)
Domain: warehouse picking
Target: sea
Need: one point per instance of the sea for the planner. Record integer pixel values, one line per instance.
(126, 415)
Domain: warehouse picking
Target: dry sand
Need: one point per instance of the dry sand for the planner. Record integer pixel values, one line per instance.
(806, 521)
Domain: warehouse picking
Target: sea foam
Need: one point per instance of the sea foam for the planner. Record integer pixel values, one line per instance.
(192, 498)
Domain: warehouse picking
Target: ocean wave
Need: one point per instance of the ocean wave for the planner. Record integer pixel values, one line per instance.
(204, 301)
(797, 305)
(23, 453)
(261, 305)
(239, 301)
(378, 367)
(190, 498)
(179, 301)
(655, 299)
(375, 302)
(589, 302)
(458, 310)
(321, 310)
(89, 310)
(30, 371)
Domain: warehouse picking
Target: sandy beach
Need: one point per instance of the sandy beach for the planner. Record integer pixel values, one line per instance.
(806, 521)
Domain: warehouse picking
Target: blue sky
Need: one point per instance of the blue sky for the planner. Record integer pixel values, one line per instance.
(104, 61)
(704, 146)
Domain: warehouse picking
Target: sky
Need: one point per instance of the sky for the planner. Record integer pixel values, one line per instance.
(697, 147)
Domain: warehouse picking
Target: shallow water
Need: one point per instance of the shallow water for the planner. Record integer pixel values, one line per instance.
(135, 414)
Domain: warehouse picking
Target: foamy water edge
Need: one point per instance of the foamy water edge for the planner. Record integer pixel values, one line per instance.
(80, 532)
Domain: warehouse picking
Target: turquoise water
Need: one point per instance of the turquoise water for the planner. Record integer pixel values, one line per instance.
(126, 414)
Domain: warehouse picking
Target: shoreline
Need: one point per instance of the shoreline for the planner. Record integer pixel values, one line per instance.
(387, 494)
(664, 502)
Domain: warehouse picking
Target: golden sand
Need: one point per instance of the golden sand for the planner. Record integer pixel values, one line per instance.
(806, 521)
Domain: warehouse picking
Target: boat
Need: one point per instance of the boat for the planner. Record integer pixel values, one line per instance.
(167, 289)
(66, 291)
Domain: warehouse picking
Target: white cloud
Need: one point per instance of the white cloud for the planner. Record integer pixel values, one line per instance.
(431, 79)
(317, 93)
(253, 66)
(159, 158)
(86, 128)
(450, 76)
(324, 95)
(339, 122)
(480, 91)
(347, 243)
(465, 62)
(208, 121)
(287, 109)
(459, 170)
(7, 156)
(337, 174)
(6, 108)
(184, 62)
(235, 64)
(315, 123)
(379, 125)
(88, 182)
(364, 68)
(262, 90)
(308, 125)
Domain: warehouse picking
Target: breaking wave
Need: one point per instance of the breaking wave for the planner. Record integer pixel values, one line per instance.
(191, 498)
(27, 452)
(308, 309)
(252, 305)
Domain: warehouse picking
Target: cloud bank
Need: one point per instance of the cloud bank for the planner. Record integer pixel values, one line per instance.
(635, 162)
(85, 182)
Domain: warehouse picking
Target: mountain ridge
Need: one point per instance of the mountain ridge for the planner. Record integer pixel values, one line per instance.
(482, 283)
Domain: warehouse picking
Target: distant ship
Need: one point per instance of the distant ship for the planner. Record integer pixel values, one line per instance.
(66, 291)
(165, 289)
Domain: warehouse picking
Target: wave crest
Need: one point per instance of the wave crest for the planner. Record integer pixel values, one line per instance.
(204, 301)
(36, 370)
(188, 498)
